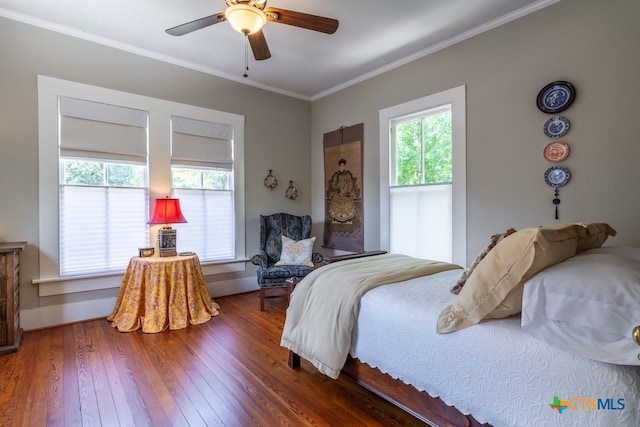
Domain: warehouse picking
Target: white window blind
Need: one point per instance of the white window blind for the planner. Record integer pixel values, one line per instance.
(209, 231)
(202, 146)
(101, 131)
(103, 213)
(100, 228)
(421, 221)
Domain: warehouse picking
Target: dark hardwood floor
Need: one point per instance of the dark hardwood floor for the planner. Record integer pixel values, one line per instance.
(230, 371)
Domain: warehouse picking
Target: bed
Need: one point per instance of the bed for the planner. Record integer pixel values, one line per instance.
(514, 369)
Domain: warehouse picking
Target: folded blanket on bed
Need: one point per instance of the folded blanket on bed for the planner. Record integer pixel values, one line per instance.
(324, 306)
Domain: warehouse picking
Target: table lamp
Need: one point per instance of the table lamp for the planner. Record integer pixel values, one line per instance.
(166, 211)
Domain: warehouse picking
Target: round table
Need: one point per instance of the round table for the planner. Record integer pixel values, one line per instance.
(159, 293)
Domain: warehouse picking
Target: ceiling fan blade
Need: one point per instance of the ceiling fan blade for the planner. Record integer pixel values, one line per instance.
(198, 24)
(259, 46)
(302, 20)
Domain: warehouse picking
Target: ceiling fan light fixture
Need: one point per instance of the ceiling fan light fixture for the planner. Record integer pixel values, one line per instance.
(245, 19)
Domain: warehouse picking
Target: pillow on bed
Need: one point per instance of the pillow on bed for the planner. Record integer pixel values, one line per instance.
(298, 252)
(588, 305)
(494, 290)
(597, 234)
(493, 241)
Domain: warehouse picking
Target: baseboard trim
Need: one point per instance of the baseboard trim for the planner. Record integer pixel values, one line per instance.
(61, 314)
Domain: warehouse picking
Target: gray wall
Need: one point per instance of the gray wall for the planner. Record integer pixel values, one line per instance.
(593, 44)
(275, 137)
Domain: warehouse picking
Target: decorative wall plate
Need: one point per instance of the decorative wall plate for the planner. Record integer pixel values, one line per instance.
(556, 97)
(556, 151)
(557, 176)
(556, 127)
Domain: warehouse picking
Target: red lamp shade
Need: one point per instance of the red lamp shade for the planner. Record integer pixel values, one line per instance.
(166, 211)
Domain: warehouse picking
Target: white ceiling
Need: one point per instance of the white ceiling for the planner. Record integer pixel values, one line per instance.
(373, 36)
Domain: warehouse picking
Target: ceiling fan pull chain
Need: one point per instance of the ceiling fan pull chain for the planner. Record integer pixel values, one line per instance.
(246, 56)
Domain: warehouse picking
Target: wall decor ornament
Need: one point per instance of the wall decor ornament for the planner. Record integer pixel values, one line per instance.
(556, 151)
(552, 99)
(343, 223)
(556, 97)
(556, 127)
(556, 177)
(270, 181)
(291, 192)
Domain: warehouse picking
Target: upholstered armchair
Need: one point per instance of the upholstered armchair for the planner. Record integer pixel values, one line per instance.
(273, 272)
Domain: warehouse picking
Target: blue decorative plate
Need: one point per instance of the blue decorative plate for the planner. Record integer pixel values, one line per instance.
(557, 176)
(556, 127)
(555, 97)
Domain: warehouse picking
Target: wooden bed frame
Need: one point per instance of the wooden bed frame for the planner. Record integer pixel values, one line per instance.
(430, 410)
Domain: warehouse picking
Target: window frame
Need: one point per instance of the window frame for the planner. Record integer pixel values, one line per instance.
(159, 175)
(457, 98)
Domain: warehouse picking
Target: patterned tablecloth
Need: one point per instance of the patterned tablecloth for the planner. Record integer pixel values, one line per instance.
(162, 292)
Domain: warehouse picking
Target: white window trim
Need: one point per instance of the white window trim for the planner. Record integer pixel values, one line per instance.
(160, 112)
(456, 97)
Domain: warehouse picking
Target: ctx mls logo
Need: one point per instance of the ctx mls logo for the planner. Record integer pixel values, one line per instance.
(558, 405)
(587, 404)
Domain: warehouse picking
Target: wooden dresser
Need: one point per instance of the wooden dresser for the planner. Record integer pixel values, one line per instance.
(10, 331)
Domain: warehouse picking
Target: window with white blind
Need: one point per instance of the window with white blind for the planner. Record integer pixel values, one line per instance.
(423, 165)
(105, 155)
(103, 185)
(201, 169)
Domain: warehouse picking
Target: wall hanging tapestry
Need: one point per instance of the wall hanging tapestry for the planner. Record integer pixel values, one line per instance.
(343, 224)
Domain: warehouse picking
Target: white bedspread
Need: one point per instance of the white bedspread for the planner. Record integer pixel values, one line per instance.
(493, 370)
(324, 306)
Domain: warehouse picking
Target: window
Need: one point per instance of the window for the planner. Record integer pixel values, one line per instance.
(103, 185)
(423, 199)
(421, 148)
(99, 218)
(201, 166)
(105, 155)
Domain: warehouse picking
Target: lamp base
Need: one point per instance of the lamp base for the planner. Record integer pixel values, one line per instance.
(167, 242)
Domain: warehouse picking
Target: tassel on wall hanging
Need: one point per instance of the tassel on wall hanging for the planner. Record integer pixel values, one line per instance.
(556, 177)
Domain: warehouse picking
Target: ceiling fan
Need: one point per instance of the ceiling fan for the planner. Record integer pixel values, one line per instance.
(249, 16)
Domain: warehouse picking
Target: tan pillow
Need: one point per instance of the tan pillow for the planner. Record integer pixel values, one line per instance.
(597, 234)
(495, 288)
(493, 241)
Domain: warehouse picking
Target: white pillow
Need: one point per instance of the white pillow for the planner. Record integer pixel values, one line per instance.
(296, 252)
(588, 305)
